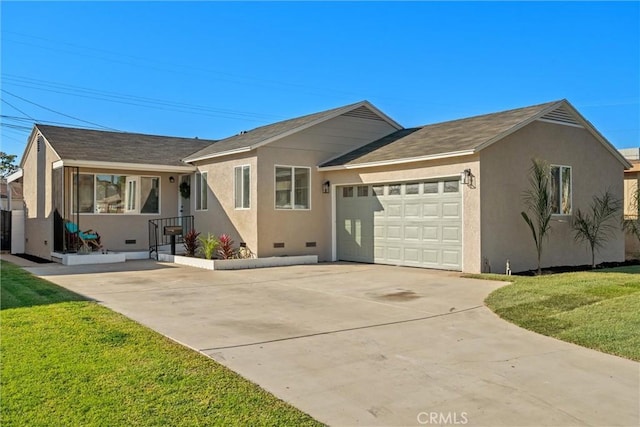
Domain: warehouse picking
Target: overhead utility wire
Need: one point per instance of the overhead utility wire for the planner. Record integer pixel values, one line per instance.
(136, 100)
(58, 112)
(17, 109)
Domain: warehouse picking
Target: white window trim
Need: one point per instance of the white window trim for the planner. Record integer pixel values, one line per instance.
(128, 179)
(198, 178)
(241, 167)
(293, 188)
(560, 188)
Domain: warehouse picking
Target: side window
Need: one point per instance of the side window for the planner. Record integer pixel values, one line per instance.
(561, 190)
(201, 191)
(242, 181)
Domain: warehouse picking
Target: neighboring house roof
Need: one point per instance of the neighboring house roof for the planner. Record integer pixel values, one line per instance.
(460, 137)
(250, 140)
(119, 147)
(16, 189)
(635, 167)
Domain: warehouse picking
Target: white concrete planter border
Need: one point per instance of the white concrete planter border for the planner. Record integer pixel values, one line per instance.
(239, 264)
(98, 258)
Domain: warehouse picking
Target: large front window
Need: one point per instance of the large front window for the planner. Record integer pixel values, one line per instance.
(116, 194)
(293, 186)
(561, 190)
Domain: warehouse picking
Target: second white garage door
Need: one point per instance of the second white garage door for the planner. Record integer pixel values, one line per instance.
(416, 224)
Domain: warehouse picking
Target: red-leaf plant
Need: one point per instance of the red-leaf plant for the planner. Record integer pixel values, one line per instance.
(191, 243)
(226, 250)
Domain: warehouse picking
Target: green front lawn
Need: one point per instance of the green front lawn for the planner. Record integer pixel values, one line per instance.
(599, 309)
(68, 361)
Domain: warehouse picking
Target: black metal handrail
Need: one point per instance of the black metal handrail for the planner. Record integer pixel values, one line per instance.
(157, 236)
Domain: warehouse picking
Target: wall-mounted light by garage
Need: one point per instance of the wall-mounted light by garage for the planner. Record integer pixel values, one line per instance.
(466, 176)
(172, 179)
(326, 187)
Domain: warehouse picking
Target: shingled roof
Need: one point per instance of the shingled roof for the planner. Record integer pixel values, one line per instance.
(246, 141)
(119, 147)
(456, 136)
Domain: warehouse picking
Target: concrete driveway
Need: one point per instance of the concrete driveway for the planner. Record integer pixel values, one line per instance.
(355, 344)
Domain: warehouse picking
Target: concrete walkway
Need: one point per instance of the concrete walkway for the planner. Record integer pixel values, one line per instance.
(358, 344)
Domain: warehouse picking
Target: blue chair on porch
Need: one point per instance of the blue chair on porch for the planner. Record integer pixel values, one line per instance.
(89, 239)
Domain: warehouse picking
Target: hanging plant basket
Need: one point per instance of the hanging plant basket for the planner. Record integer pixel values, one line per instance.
(185, 190)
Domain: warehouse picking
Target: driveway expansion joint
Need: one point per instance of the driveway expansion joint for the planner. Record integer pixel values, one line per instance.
(337, 331)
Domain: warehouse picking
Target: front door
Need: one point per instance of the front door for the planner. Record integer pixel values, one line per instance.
(184, 203)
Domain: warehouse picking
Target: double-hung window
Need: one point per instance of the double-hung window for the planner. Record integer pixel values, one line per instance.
(293, 187)
(201, 191)
(561, 190)
(242, 184)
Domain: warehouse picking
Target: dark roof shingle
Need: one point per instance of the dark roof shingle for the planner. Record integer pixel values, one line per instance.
(120, 147)
(255, 136)
(440, 138)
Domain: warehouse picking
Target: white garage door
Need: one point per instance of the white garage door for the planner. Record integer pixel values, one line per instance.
(416, 224)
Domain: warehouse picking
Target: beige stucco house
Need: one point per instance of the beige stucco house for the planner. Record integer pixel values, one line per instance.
(344, 184)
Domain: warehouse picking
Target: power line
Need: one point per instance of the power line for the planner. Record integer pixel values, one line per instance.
(58, 112)
(16, 108)
(126, 99)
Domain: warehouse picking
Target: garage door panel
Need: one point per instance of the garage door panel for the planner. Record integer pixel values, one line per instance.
(430, 233)
(412, 210)
(431, 210)
(451, 257)
(394, 210)
(395, 225)
(412, 232)
(451, 209)
(394, 232)
(451, 234)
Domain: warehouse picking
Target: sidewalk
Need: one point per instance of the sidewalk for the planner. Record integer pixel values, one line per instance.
(18, 261)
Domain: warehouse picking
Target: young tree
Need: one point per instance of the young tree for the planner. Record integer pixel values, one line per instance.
(595, 227)
(537, 199)
(7, 164)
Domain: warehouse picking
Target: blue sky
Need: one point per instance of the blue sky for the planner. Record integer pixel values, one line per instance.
(211, 69)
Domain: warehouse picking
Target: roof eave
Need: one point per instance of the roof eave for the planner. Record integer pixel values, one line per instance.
(15, 175)
(94, 164)
(398, 161)
(214, 155)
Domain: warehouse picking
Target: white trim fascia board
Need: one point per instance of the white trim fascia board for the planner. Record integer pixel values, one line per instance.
(125, 166)
(15, 176)
(399, 161)
(300, 129)
(555, 122)
(518, 126)
(604, 141)
(220, 154)
(57, 164)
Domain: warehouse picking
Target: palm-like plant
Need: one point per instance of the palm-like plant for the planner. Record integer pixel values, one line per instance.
(537, 199)
(595, 227)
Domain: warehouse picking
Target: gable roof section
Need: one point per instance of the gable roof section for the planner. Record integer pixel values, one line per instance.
(460, 137)
(247, 141)
(84, 145)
